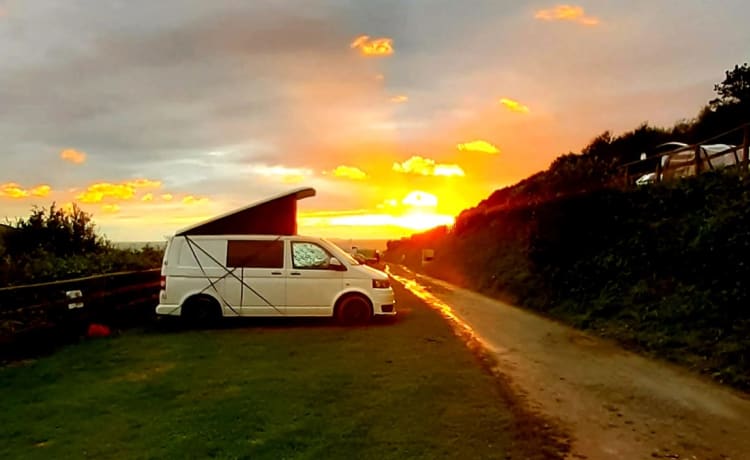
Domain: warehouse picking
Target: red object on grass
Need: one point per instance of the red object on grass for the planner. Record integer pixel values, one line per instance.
(98, 330)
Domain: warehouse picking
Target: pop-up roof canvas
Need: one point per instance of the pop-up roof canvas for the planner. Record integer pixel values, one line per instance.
(274, 216)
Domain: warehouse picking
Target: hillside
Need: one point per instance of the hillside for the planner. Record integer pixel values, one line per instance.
(663, 268)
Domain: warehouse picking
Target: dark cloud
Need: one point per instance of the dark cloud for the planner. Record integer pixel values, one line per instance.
(216, 80)
(198, 93)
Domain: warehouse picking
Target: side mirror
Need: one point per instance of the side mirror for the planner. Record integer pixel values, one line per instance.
(336, 265)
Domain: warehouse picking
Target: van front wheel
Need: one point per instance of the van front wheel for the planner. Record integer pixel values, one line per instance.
(353, 310)
(201, 311)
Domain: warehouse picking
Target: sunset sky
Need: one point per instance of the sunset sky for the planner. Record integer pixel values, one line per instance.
(154, 115)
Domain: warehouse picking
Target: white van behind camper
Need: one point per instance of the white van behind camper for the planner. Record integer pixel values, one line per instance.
(205, 277)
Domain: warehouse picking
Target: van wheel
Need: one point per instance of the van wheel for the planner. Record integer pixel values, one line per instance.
(201, 311)
(354, 310)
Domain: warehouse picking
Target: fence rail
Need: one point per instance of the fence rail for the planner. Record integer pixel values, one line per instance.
(47, 311)
(692, 159)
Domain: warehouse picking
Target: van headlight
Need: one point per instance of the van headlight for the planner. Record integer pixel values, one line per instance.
(381, 284)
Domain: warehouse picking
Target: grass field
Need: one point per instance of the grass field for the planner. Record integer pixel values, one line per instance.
(270, 389)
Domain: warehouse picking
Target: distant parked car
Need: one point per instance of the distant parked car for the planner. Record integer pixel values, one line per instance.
(678, 159)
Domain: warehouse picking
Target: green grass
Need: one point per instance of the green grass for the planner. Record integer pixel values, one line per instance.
(280, 389)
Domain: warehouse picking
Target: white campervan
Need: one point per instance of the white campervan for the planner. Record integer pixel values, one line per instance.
(207, 275)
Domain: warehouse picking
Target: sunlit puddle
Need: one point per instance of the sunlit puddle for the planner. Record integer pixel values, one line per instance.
(461, 328)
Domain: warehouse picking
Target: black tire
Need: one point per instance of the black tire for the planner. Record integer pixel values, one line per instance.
(354, 310)
(201, 311)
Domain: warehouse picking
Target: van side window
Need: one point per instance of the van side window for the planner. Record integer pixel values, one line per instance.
(310, 256)
(255, 254)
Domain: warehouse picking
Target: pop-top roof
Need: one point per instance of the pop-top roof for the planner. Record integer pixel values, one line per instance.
(274, 216)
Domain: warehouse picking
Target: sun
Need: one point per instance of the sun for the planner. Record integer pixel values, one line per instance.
(416, 211)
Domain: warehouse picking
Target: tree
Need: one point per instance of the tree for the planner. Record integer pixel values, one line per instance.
(735, 89)
(55, 231)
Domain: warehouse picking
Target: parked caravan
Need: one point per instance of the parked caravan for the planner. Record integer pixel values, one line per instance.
(216, 269)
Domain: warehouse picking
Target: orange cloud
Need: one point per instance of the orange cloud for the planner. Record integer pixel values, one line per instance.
(400, 99)
(125, 191)
(349, 172)
(567, 13)
(478, 146)
(514, 106)
(427, 167)
(41, 190)
(148, 197)
(190, 199)
(110, 208)
(167, 197)
(15, 191)
(144, 183)
(73, 156)
(377, 47)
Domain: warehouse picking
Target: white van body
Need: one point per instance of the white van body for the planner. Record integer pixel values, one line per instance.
(267, 275)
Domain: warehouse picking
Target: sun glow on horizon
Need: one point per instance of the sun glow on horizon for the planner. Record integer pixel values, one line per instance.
(415, 212)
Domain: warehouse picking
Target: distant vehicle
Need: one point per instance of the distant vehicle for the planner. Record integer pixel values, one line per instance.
(678, 159)
(251, 262)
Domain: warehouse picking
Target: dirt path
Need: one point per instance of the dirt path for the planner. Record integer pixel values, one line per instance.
(613, 403)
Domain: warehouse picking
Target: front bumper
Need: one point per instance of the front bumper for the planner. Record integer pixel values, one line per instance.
(384, 303)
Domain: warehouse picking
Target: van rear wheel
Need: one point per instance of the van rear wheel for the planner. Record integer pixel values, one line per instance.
(201, 311)
(354, 310)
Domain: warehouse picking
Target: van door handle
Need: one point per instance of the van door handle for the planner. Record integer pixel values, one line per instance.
(295, 273)
(276, 273)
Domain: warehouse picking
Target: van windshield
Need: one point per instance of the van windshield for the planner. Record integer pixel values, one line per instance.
(341, 254)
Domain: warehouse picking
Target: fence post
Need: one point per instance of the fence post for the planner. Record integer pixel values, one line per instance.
(626, 176)
(745, 149)
(698, 160)
(657, 179)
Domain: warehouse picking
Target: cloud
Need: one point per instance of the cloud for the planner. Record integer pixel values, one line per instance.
(286, 174)
(376, 47)
(567, 13)
(148, 197)
(73, 156)
(400, 99)
(144, 183)
(96, 193)
(167, 197)
(419, 199)
(15, 191)
(41, 191)
(514, 106)
(349, 172)
(190, 199)
(110, 208)
(427, 167)
(478, 146)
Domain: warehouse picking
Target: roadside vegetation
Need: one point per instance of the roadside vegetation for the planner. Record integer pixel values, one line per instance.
(55, 243)
(663, 269)
(407, 388)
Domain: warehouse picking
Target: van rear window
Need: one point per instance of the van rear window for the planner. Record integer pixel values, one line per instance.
(255, 254)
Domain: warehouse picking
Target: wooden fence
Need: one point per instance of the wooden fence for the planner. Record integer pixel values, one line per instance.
(692, 159)
(47, 312)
